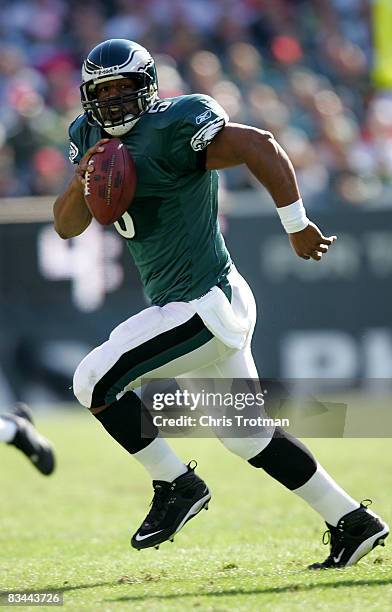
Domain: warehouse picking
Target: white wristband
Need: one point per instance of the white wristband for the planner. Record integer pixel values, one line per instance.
(293, 217)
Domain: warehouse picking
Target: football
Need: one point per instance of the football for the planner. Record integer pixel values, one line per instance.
(110, 188)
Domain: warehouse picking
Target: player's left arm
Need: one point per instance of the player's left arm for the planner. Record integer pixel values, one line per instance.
(239, 144)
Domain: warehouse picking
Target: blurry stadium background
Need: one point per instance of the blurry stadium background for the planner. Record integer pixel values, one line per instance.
(317, 73)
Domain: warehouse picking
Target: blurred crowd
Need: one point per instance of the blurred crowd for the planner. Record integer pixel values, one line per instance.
(299, 68)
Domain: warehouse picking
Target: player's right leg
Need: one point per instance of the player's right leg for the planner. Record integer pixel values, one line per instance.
(159, 343)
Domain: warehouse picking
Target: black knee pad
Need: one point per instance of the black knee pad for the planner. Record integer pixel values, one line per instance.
(287, 460)
(128, 421)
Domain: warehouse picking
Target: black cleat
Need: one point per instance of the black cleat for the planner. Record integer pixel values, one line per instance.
(21, 409)
(27, 439)
(173, 505)
(355, 535)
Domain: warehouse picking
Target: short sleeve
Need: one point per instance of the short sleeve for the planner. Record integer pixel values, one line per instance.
(202, 119)
(74, 155)
(75, 140)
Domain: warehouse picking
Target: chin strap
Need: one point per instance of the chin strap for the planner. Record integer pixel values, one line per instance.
(120, 130)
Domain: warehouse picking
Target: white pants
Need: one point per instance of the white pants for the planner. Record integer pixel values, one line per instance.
(205, 338)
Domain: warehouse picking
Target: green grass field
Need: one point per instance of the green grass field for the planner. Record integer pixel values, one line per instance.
(71, 532)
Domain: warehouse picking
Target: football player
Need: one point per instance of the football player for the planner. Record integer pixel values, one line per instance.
(17, 428)
(203, 313)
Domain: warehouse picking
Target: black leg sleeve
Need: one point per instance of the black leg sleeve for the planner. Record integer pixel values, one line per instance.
(287, 460)
(128, 421)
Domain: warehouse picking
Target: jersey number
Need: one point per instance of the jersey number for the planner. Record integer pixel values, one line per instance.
(125, 226)
(161, 106)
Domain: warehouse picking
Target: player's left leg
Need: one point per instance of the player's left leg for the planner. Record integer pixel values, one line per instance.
(354, 530)
(17, 428)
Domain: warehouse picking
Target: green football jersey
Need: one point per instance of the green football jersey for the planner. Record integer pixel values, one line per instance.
(171, 226)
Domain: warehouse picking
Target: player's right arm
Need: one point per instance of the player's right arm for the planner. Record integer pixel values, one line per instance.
(71, 215)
